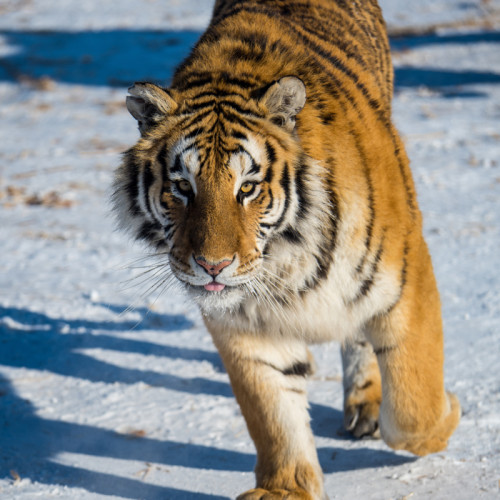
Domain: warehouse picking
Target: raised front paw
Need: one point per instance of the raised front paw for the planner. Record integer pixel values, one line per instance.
(276, 494)
(426, 437)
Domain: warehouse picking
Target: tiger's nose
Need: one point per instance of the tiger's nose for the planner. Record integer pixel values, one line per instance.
(213, 268)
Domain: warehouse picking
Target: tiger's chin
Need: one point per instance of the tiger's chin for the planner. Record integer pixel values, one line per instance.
(210, 301)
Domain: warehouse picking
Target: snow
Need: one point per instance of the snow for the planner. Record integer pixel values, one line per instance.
(111, 389)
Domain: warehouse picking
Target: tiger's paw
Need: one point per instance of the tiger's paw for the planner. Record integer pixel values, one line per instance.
(276, 494)
(434, 439)
(361, 410)
(302, 481)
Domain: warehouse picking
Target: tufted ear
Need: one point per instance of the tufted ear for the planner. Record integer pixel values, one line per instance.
(284, 99)
(149, 104)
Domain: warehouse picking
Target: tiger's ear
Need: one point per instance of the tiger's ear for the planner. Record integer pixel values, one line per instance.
(149, 104)
(284, 99)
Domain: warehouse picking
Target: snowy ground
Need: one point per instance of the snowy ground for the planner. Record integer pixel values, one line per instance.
(97, 401)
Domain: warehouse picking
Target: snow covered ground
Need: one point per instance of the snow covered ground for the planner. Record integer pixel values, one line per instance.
(101, 401)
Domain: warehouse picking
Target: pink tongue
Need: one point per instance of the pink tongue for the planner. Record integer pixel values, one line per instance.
(214, 287)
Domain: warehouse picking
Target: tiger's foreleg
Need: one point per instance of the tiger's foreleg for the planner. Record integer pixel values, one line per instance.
(362, 389)
(416, 413)
(269, 381)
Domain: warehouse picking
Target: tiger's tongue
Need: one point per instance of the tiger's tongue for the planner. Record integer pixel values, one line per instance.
(214, 287)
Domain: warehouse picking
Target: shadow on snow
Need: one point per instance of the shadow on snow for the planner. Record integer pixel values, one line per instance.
(23, 433)
(114, 58)
(33, 340)
(117, 58)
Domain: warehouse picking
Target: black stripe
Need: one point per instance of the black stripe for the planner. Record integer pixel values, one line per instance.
(244, 53)
(269, 174)
(192, 80)
(366, 385)
(285, 184)
(215, 93)
(237, 108)
(236, 134)
(197, 118)
(147, 181)
(161, 158)
(148, 231)
(194, 133)
(301, 190)
(368, 282)
(167, 229)
(234, 118)
(404, 269)
(299, 369)
(177, 166)
(384, 350)
(239, 81)
(326, 248)
(406, 178)
(270, 152)
(327, 118)
(132, 185)
(198, 106)
(203, 163)
(271, 202)
(255, 169)
(292, 236)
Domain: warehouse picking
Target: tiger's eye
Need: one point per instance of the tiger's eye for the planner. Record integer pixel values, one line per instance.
(246, 187)
(184, 186)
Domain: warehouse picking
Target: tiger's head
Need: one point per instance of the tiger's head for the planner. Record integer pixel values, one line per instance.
(214, 179)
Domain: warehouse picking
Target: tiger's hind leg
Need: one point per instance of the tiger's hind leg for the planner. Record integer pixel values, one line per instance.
(362, 389)
(416, 413)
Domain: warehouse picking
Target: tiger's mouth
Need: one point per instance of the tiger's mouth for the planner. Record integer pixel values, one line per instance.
(215, 297)
(216, 294)
(214, 286)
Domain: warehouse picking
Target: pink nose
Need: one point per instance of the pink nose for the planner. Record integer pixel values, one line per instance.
(212, 268)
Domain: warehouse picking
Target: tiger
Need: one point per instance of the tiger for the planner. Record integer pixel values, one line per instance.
(271, 182)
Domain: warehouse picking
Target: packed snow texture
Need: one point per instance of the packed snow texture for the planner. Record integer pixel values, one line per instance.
(110, 388)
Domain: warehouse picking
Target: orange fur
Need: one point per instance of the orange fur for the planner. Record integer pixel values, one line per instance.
(292, 100)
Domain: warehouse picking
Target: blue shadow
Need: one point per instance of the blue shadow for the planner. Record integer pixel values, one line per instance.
(409, 42)
(448, 81)
(117, 58)
(30, 445)
(37, 342)
(113, 58)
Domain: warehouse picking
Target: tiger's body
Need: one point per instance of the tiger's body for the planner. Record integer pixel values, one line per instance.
(272, 179)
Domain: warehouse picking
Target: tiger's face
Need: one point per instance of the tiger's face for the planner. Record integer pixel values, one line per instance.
(221, 209)
(209, 189)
